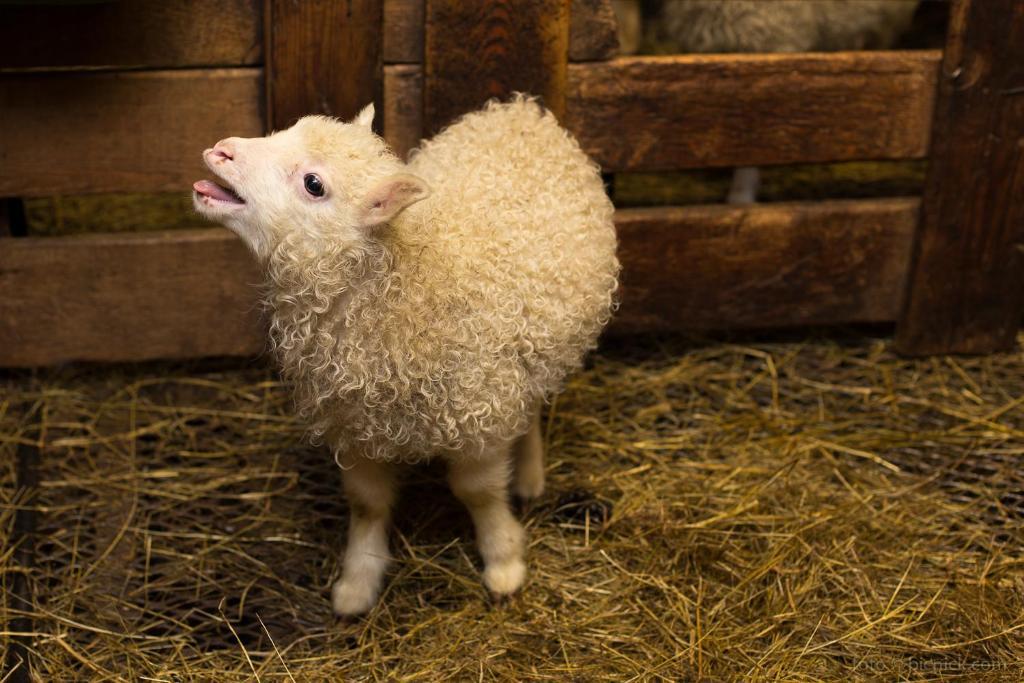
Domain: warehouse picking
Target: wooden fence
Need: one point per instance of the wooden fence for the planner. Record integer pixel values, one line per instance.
(122, 96)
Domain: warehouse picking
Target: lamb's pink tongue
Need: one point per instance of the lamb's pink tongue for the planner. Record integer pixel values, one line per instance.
(212, 189)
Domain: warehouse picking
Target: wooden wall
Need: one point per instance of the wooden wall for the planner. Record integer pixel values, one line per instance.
(134, 113)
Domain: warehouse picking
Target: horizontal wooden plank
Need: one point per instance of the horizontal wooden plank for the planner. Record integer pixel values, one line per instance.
(189, 293)
(772, 265)
(672, 113)
(693, 111)
(176, 294)
(131, 34)
(107, 132)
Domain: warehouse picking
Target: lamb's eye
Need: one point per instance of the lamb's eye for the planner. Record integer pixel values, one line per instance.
(313, 184)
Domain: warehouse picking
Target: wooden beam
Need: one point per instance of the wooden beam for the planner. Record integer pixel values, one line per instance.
(403, 107)
(774, 265)
(139, 131)
(966, 288)
(659, 113)
(403, 31)
(181, 294)
(178, 34)
(693, 111)
(178, 294)
(323, 57)
(479, 49)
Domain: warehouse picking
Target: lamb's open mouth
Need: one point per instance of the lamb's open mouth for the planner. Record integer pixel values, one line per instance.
(211, 191)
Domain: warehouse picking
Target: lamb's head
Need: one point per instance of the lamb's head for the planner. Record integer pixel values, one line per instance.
(321, 182)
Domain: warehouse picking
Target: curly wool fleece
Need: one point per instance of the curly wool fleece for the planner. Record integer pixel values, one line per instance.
(444, 330)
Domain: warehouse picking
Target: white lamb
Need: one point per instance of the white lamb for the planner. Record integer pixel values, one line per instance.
(425, 309)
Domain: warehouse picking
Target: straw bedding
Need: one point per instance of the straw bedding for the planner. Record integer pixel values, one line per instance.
(799, 511)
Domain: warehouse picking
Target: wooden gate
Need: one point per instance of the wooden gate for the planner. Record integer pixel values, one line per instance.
(122, 96)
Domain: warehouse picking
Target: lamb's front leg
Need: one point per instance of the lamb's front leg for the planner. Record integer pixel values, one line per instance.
(370, 488)
(482, 485)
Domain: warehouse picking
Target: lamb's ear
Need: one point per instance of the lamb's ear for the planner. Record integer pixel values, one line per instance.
(390, 197)
(365, 117)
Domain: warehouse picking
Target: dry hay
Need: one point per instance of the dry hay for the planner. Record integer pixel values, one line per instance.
(775, 511)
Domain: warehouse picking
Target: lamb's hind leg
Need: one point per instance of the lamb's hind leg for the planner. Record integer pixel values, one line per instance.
(370, 488)
(482, 485)
(528, 453)
(746, 181)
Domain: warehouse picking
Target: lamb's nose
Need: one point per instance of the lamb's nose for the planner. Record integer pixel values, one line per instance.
(224, 149)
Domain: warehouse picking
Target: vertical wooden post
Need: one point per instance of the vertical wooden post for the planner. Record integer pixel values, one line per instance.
(966, 287)
(478, 49)
(322, 57)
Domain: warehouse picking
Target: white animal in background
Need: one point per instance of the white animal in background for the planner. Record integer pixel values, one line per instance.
(629, 25)
(706, 26)
(426, 309)
(784, 25)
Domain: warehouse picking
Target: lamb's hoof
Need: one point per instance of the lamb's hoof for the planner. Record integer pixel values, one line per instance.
(350, 599)
(504, 578)
(528, 488)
